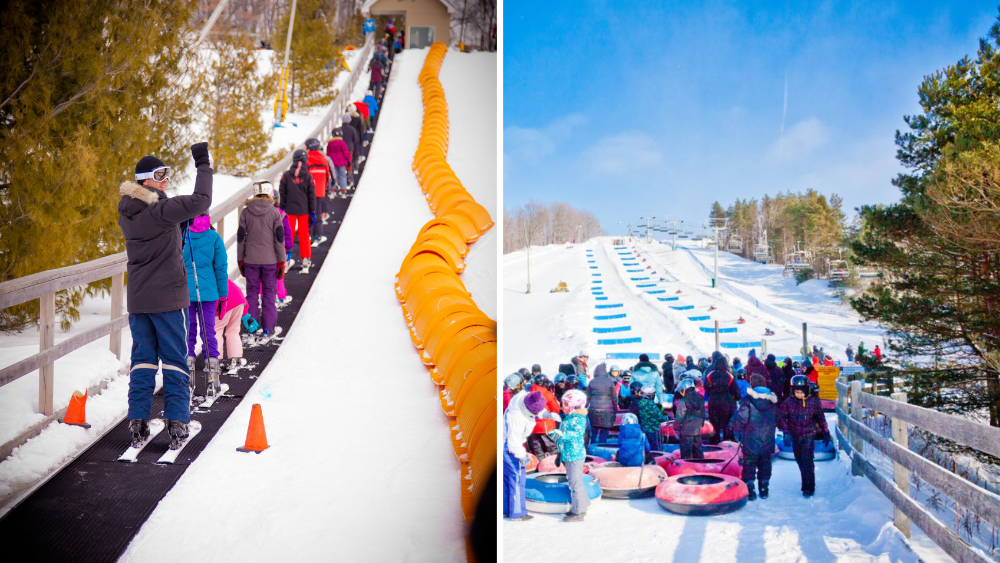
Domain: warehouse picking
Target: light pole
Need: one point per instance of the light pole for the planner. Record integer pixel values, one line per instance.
(279, 109)
(719, 224)
(527, 247)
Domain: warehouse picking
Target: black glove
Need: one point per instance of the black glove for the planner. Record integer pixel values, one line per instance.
(243, 270)
(558, 460)
(200, 153)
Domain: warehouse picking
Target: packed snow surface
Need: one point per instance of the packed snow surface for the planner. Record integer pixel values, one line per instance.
(360, 465)
(847, 520)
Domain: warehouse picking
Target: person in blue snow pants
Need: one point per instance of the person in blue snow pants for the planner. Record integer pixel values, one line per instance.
(514, 477)
(155, 337)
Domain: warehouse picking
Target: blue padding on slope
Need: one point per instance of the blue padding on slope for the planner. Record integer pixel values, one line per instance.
(655, 291)
(667, 298)
(611, 306)
(596, 274)
(621, 248)
(705, 318)
(601, 298)
(612, 341)
(638, 271)
(592, 261)
(740, 344)
(643, 278)
(682, 307)
(630, 264)
(712, 329)
(613, 329)
(593, 267)
(630, 355)
(609, 317)
(645, 285)
(597, 293)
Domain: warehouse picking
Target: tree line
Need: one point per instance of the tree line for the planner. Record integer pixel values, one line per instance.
(539, 224)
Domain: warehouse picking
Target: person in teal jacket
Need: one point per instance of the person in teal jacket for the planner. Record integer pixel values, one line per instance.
(569, 438)
(205, 253)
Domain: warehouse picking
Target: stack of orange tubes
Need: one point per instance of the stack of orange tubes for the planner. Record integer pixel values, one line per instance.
(456, 340)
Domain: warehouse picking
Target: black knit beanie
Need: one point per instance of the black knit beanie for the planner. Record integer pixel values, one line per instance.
(148, 164)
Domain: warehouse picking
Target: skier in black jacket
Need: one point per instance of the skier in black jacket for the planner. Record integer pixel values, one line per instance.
(754, 423)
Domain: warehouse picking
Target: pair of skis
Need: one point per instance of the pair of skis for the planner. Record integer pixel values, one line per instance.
(156, 426)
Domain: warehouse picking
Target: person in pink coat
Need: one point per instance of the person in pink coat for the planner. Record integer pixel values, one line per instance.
(337, 150)
(230, 311)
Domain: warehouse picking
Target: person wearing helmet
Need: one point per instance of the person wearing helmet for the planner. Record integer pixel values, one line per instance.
(723, 395)
(647, 374)
(569, 438)
(624, 394)
(511, 385)
(690, 417)
(539, 443)
(321, 169)
(559, 384)
(801, 418)
(650, 413)
(297, 198)
(536, 370)
(754, 424)
(602, 403)
(340, 158)
(352, 139)
(572, 382)
(260, 254)
(741, 382)
(518, 422)
(633, 446)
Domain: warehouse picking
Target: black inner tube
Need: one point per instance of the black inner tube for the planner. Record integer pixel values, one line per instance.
(704, 460)
(552, 478)
(700, 480)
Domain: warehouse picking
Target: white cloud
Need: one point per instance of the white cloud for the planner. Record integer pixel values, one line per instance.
(800, 140)
(523, 145)
(628, 150)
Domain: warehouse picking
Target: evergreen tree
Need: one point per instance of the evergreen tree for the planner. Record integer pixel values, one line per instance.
(717, 211)
(315, 58)
(939, 293)
(87, 89)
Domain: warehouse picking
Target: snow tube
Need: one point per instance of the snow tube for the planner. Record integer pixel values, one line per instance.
(605, 450)
(532, 464)
(667, 429)
(709, 451)
(821, 451)
(549, 492)
(701, 494)
(732, 466)
(548, 464)
(620, 482)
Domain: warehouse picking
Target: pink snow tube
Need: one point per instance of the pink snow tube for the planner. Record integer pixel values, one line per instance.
(532, 464)
(732, 466)
(709, 451)
(667, 429)
(548, 464)
(620, 482)
(701, 494)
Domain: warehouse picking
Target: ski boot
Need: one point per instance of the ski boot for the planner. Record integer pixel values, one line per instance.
(752, 496)
(235, 364)
(763, 489)
(140, 431)
(178, 433)
(214, 385)
(305, 266)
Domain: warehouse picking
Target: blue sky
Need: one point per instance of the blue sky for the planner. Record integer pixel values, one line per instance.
(659, 108)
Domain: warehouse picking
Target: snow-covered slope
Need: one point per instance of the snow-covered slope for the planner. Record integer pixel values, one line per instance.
(361, 466)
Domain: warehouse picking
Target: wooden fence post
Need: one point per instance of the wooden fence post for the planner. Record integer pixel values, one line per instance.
(842, 405)
(117, 285)
(900, 474)
(856, 441)
(220, 228)
(763, 347)
(47, 336)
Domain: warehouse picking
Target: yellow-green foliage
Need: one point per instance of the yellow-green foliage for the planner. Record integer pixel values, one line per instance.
(316, 58)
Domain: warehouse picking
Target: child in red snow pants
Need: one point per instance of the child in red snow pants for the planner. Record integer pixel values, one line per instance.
(300, 225)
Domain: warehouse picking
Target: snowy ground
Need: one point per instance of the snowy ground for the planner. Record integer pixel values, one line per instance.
(361, 467)
(94, 363)
(847, 520)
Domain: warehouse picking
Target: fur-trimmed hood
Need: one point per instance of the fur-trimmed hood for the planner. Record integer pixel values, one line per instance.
(754, 394)
(130, 189)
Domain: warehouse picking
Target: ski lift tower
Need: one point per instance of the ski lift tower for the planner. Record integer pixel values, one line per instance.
(649, 236)
(672, 231)
(718, 224)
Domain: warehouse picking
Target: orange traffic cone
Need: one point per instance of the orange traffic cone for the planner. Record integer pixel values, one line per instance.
(76, 412)
(256, 438)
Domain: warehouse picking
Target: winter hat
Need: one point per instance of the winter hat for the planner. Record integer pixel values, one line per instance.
(534, 402)
(346, 118)
(807, 363)
(680, 359)
(370, 93)
(753, 353)
(147, 164)
(536, 368)
(583, 354)
(643, 358)
(352, 109)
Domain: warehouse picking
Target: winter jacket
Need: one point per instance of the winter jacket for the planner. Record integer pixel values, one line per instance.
(690, 365)
(337, 150)
(372, 104)
(777, 381)
(579, 366)
(152, 225)
(319, 169)
(649, 377)
(722, 389)
(260, 238)
(289, 235)
(207, 252)
(544, 425)
(506, 399)
(668, 377)
(632, 445)
(802, 418)
(297, 195)
(811, 374)
(234, 299)
(517, 425)
(650, 415)
(744, 387)
(641, 365)
(754, 365)
(601, 391)
(571, 443)
(755, 421)
(690, 410)
(376, 67)
(357, 123)
(351, 139)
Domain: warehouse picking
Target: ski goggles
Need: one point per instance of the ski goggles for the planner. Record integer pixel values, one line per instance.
(159, 174)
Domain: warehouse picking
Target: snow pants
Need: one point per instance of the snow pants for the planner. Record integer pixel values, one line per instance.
(376, 88)
(541, 445)
(264, 276)
(350, 168)
(719, 416)
(300, 225)
(159, 337)
(196, 312)
(579, 501)
(229, 326)
(691, 447)
(655, 440)
(803, 449)
(756, 466)
(340, 174)
(513, 486)
(321, 207)
(601, 435)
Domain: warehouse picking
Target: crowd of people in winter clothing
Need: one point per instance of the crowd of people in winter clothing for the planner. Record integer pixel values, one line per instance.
(745, 403)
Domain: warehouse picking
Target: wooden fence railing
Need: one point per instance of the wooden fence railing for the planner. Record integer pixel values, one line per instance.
(852, 434)
(44, 285)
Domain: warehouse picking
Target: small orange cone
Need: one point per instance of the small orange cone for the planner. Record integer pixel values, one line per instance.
(256, 438)
(76, 412)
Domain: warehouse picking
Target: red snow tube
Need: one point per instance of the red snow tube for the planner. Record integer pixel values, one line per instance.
(701, 494)
(709, 451)
(667, 429)
(620, 482)
(532, 464)
(548, 464)
(733, 466)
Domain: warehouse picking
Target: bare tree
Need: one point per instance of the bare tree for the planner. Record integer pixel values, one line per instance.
(540, 224)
